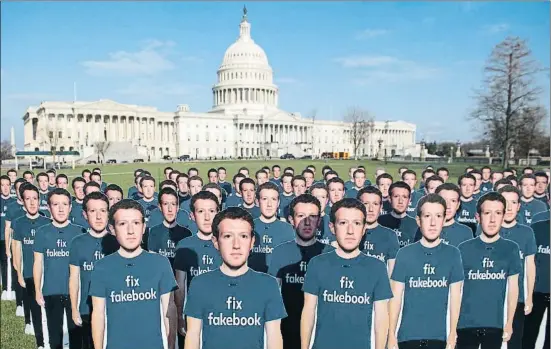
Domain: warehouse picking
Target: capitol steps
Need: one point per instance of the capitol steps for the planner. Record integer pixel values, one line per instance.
(119, 151)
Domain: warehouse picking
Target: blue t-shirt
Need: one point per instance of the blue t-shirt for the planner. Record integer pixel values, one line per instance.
(289, 264)
(148, 207)
(234, 310)
(543, 199)
(14, 211)
(466, 214)
(85, 251)
(267, 237)
(455, 234)
(24, 230)
(132, 289)
(13, 193)
(486, 266)
(427, 274)
(284, 202)
(328, 208)
(381, 243)
(542, 216)
(43, 204)
(323, 233)
(526, 241)
(76, 216)
(528, 210)
(254, 211)
(136, 196)
(386, 208)
(346, 290)
(234, 200)
(541, 232)
(226, 186)
(352, 193)
(155, 218)
(132, 192)
(186, 205)
(55, 243)
(405, 228)
(195, 257)
(478, 195)
(486, 187)
(276, 181)
(414, 200)
(4, 203)
(163, 240)
(348, 185)
(183, 200)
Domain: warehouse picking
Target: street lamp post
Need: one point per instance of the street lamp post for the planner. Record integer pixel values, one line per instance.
(75, 120)
(386, 141)
(175, 142)
(262, 137)
(422, 154)
(380, 141)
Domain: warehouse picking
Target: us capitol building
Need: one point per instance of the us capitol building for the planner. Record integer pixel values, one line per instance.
(244, 121)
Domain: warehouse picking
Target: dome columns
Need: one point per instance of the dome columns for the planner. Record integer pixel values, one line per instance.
(244, 95)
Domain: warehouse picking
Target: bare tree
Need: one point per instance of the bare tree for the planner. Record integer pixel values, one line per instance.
(50, 137)
(5, 150)
(361, 125)
(531, 130)
(508, 89)
(100, 149)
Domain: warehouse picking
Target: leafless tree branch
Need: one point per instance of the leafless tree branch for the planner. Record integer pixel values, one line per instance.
(361, 127)
(5, 150)
(507, 104)
(101, 148)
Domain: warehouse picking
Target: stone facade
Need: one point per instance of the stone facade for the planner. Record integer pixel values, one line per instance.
(244, 121)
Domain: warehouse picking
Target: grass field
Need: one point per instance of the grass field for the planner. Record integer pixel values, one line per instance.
(12, 328)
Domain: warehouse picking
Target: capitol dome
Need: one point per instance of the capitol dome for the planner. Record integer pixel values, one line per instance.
(245, 51)
(245, 78)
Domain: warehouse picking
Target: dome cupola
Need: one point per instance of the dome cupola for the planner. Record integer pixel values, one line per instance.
(245, 78)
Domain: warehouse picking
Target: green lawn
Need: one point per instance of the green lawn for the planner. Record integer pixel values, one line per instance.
(12, 329)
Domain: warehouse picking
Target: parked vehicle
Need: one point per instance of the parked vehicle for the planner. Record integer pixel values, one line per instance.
(287, 156)
(185, 157)
(111, 161)
(336, 155)
(138, 160)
